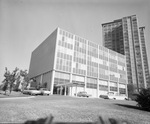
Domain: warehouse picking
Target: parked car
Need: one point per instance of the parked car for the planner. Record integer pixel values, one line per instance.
(27, 90)
(83, 94)
(116, 96)
(104, 96)
(32, 91)
(45, 91)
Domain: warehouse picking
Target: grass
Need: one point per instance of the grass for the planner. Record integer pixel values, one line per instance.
(69, 109)
(13, 94)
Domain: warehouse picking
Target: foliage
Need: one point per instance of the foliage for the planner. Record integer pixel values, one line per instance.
(25, 79)
(143, 99)
(14, 79)
(9, 79)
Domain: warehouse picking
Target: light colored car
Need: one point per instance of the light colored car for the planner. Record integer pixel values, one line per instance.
(32, 91)
(45, 91)
(116, 96)
(83, 94)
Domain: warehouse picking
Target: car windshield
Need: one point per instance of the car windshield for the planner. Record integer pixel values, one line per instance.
(32, 88)
(43, 89)
(84, 92)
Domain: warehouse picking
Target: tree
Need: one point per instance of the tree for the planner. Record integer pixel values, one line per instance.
(24, 79)
(12, 78)
(9, 79)
(143, 99)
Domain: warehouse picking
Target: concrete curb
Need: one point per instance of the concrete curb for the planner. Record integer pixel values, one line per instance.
(17, 98)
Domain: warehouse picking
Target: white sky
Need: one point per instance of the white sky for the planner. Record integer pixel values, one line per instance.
(24, 24)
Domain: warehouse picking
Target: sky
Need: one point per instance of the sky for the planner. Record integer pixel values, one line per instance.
(24, 24)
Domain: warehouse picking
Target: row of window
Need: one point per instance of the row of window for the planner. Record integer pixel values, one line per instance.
(79, 71)
(91, 85)
(81, 50)
(79, 83)
(92, 45)
(67, 34)
(102, 76)
(80, 39)
(80, 44)
(63, 68)
(92, 71)
(63, 62)
(60, 81)
(79, 60)
(103, 87)
(94, 54)
(101, 66)
(64, 56)
(65, 44)
(93, 64)
(103, 57)
(92, 80)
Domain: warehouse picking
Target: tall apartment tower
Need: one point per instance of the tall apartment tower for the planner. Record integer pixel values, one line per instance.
(144, 56)
(124, 36)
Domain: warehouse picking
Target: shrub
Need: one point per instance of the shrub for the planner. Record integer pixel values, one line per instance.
(143, 99)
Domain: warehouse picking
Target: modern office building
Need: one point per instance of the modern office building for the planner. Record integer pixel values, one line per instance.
(124, 36)
(69, 63)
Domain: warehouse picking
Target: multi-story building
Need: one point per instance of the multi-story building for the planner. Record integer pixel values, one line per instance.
(69, 63)
(123, 36)
(144, 57)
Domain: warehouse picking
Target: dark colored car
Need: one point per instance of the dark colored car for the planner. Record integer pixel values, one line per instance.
(104, 96)
(83, 94)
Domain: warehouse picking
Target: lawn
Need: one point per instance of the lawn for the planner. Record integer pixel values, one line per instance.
(70, 109)
(13, 94)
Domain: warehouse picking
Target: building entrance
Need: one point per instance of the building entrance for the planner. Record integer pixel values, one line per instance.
(61, 90)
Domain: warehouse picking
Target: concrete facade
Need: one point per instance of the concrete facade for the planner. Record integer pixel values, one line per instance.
(70, 63)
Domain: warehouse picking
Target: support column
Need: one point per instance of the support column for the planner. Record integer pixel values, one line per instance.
(52, 81)
(76, 89)
(70, 88)
(126, 91)
(60, 90)
(108, 86)
(118, 87)
(97, 88)
(41, 80)
(65, 91)
(85, 80)
(71, 91)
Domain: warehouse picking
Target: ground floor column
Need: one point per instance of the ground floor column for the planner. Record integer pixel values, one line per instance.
(118, 87)
(41, 80)
(70, 88)
(108, 86)
(65, 91)
(97, 88)
(52, 81)
(76, 89)
(126, 90)
(85, 80)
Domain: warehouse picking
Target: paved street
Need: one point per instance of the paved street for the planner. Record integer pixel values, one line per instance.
(70, 109)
